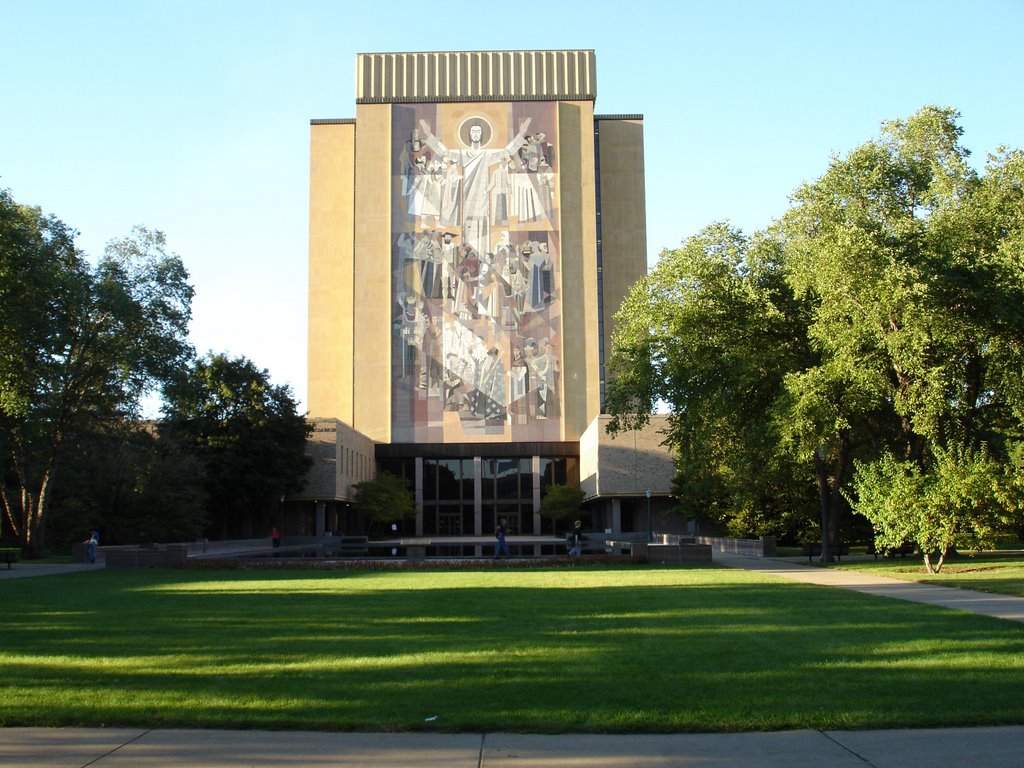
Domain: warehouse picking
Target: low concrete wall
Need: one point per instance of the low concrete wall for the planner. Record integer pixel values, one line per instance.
(670, 553)
(762, 547)
(168, 556)
(79, 553)
(694, 553)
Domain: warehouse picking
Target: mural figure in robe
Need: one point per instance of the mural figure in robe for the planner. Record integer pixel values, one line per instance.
(476, 163)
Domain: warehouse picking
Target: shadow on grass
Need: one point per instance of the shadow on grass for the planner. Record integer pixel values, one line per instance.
(540, 652)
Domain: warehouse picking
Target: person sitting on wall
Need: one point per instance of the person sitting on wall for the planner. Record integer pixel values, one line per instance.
(94, 542)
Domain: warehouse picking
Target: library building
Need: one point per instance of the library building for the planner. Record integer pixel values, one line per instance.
(472, 233)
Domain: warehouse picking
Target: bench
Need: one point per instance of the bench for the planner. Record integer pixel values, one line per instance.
(9, 555)
(836, 549)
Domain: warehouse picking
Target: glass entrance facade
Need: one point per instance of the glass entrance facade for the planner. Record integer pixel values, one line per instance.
(467, 496)
(448, 496)
(507, 491)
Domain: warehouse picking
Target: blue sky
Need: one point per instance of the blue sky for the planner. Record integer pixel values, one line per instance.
(193, 117)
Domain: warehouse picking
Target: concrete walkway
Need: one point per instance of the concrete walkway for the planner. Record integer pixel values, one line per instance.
(988, 747)
(998, 606)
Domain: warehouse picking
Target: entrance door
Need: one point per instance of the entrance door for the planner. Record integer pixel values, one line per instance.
(449, 523)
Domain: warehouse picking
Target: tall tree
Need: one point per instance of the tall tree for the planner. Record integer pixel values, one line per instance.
(913, 261)
(248, 434)
(130, 484)
(713, 331)
(77, 345)
(879, 317)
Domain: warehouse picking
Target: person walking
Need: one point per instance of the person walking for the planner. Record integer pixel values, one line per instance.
(275, 537)
(501, 548)
(577, 539)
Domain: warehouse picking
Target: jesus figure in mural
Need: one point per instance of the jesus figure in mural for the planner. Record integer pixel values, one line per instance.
(475, 162)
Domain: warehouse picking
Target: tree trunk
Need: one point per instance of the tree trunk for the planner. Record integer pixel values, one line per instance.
(824, 498)
(829, 496)
(39, 518)
(14, 523)
(27, 505)
(32, 531)
(34, 505)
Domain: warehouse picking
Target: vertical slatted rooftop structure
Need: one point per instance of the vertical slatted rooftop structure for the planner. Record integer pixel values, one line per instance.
(569, 75)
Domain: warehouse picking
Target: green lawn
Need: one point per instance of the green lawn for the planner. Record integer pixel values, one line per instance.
(987, 572)
(591, 648)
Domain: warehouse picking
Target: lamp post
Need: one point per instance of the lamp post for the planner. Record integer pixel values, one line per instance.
(650, 527)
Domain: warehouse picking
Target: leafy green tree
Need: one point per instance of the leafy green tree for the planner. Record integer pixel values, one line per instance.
(78, 346)
(131, 485)
(963, 498)
(247, 434)
(913, 262)
(385, 498)
(830, 415)
(881, 313)
(713, 331)
(561, 502)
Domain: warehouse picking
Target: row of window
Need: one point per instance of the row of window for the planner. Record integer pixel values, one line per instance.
(355, 465)
(449, 519)
(501, 479)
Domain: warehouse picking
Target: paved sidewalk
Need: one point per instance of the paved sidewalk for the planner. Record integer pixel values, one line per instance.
(987, 747)
(998, 606)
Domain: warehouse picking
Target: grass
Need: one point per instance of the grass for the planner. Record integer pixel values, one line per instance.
(584, 649)
(1001, 574)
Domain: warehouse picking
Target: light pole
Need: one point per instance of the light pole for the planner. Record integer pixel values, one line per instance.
(650, 527)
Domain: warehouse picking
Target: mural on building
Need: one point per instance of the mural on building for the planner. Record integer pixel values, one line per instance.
(476, 347)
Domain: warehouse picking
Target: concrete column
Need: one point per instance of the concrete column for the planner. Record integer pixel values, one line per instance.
(616, 520)
(419, 495)
(536, 494)
(319, 517)
(478, 496)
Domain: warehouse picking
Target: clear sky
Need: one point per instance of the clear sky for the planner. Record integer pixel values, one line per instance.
(193, 117)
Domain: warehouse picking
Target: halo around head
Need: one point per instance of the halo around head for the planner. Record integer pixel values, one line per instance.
(485, 131)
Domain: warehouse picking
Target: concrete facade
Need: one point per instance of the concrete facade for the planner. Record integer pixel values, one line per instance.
(342, 457)
(626, 464)
(331, 291)
(627, 478)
